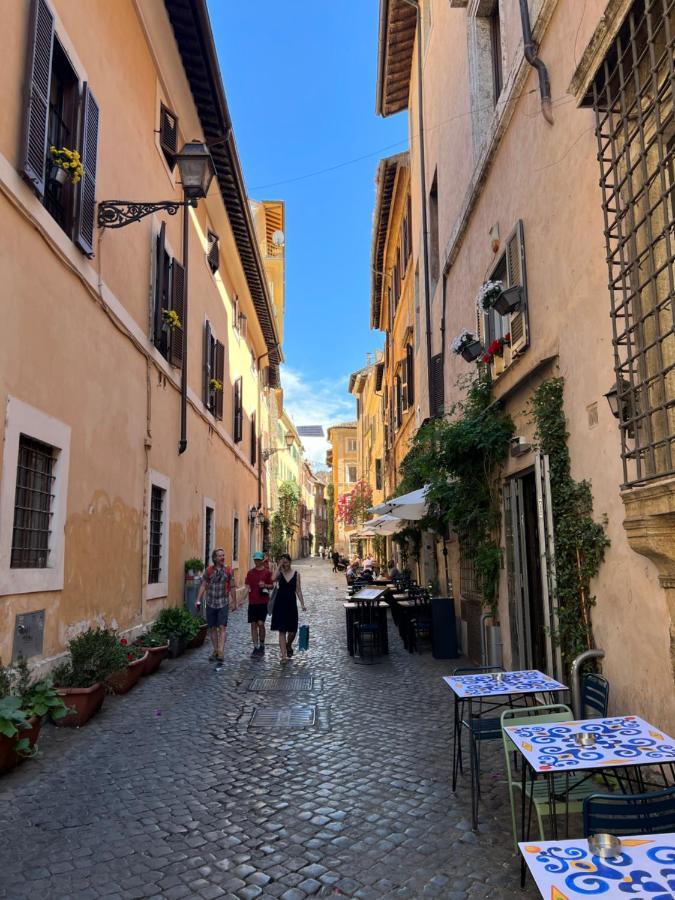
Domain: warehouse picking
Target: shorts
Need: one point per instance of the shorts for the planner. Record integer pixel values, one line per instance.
(257, 612)
(216, 616)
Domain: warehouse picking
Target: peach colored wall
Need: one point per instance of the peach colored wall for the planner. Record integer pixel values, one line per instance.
(548, 177)
(74, 342)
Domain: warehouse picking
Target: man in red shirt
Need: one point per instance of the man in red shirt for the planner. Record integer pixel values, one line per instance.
(259, 584)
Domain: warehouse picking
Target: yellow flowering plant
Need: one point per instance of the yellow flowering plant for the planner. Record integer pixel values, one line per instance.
(69, 161)
(171, 318)
(215, 384)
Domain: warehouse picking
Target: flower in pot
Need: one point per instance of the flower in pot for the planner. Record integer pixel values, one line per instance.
(156, 647)
(170, 320)
(13, 721)
(122, 681)
(66, 165)
(200, 637)
(178, 626)
(467, 346)
(488, 293)
(93, 656)
(216, 385)
(496, 348)
(194, 566)
(509, 300)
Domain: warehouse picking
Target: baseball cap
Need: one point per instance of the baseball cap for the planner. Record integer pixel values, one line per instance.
(258, 555)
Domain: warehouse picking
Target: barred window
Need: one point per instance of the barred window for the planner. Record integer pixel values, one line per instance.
(468, 583)
(33, 505)
(208, 534)
(632, 96)
(156, 533)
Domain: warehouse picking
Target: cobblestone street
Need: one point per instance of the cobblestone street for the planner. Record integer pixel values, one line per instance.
(169, 793)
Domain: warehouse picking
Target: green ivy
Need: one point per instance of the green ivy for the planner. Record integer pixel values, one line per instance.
(580, 543)
(278, 540)
(460, 458)
(289, 498)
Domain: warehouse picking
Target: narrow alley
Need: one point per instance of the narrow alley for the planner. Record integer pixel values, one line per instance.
(172, 792)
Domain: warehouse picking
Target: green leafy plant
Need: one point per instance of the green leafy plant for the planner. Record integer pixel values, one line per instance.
(31, 699)
(94, 655)
(289, 498)
(175, 621)
(150, 639)
(195, 564)
(580, 542)
(278, 540)
(380, 548)
(14, 719)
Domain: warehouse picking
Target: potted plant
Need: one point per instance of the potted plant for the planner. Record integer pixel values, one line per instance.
(122, 681)
(170, 320)
(156, 646)
(66, 165)
(488, 294)
(80, 680)
(200, 637)
(193, 566)
(467, 346)
(13, 724)
(178, 627)
(496, 349)
(509, 300)
(216, 385)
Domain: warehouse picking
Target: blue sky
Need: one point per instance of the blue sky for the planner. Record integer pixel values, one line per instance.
(300, 83)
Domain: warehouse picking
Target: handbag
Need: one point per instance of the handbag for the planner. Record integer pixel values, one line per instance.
(303, 637)
(273, 597)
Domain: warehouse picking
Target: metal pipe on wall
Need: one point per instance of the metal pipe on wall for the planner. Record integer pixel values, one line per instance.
(575, 678)
(182, 444)
(530, 51)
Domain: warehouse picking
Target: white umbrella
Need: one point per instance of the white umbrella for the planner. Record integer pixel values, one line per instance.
(409, 506)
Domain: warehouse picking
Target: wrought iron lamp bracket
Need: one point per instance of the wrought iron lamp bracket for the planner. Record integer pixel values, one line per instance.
(118, 213)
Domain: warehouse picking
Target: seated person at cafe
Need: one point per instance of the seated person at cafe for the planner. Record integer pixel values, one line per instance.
(368, 562)
(393, 571)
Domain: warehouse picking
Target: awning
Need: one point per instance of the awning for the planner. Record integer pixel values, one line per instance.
(409, 506)
(383, 525)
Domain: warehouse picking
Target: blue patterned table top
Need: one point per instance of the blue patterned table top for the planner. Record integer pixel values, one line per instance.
(621, 741)
(644, 867)
(528, 681)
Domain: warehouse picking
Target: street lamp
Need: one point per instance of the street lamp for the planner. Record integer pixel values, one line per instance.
(196, 170)
(289, 443)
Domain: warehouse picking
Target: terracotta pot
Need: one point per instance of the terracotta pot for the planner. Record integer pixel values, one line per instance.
(199, 638)
(122, 682)
(31, 734)
(87, 702)
(154, 658)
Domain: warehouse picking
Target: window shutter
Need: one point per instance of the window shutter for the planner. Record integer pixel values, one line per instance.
(160, 287)
(237, 410)
(206, 387)
(39, 74)
(178, 305)
(213, 255)
(397, 409)
(254, 440)
(219, 366)
(516, 274)
(168, 135)
(437, 399)
(410, 375)
(243, 325)
(86, 198)
(404, 385)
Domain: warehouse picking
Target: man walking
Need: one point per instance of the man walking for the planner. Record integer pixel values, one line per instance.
(258, 583)
(218, 585)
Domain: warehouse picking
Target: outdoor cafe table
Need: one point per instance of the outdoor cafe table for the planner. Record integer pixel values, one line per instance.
(643, 866)
(354, 604)
(549, 748)
(498, 689)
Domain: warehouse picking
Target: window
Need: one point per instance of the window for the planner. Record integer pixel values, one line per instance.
(410, 374)
(437, 399)
(254, 440)
(214, 373)
(168, 135)
(235, 540)
(496, 50)
(514, 326)
(157, 527)
(398, 411)
(242, 326)
(33, 497)
(235, 314)
(31, 534)
(433, 232)
(56, 105)
(169, 296)
(632, 96)
(351, 445)
(209, 529)
(238, 412)
(378, 474)
(213, 252)
(351, 474)
(157, 535)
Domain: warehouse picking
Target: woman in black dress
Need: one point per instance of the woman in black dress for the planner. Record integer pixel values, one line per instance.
(285, 611)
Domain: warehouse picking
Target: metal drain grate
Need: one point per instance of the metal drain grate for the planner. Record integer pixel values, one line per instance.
(289, 683)
(289, 717)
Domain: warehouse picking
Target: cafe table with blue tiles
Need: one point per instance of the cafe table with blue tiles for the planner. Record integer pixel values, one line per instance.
(619, 744)
(491, 690)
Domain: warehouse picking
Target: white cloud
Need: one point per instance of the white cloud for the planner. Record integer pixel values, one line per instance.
(322, 401)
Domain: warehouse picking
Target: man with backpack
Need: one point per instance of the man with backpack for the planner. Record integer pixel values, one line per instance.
(258, 584)
(218, 585)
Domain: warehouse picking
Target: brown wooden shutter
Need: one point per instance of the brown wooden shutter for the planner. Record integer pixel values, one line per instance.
(410, 378)
(213, 254)
(38, 78)
(86, 197)
(516, 274)
(238, 410)
(219, 366)
(168, 135)
(398, 402)
(160, 286)
(206, 367)
(437, 399)
(254, 440)
(178, 305)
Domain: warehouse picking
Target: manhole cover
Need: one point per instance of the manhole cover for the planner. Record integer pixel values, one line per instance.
(290, 717)
(289, 683)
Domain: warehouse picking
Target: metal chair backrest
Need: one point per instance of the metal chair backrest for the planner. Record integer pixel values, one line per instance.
(550, 712)
(477, 670)
(652, 813)
(594, 696)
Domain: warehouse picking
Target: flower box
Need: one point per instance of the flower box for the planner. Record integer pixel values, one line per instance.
(470, 352)
(86, 703)
(153, 658)
(199, 638)
(122, 682)
(509, 300)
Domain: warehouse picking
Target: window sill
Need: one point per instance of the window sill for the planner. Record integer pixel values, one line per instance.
(156, 591)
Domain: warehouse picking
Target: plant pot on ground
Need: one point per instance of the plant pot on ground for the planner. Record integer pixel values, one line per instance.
(23, 704)
(122, 682)
(156, 648)
(199, 638)
(83, 703)
(193, 567)
(178, 627)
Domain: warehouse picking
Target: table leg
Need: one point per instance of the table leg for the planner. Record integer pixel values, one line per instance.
(472, 763)
(457, 745)
(551, 805)
(524, 835)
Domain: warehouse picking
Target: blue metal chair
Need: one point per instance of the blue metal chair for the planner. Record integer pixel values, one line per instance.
(594, 696)
(484, 729)
(652, 813)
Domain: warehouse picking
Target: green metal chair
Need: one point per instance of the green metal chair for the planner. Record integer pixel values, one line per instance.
(576, 786)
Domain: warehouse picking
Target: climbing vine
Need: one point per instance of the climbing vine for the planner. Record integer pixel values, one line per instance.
(289, 497)
(277, 538)
(580, 542)
(460, 459)
(379, 548)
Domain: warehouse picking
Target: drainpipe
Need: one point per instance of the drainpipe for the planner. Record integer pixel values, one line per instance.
(483, 639)
(575, 678)
(182, 444)
(423, 185)
(530, 50)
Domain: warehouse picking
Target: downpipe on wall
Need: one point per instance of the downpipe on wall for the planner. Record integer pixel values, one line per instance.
(530, 50)
(575, 678)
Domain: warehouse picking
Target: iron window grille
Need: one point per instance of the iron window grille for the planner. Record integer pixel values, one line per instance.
(632, 96)
(468, 582)
(33, 505)
(208, 528)
(156, 531)
(235, 540)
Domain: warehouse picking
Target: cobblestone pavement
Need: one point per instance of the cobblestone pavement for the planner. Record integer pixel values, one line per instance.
(168, 792)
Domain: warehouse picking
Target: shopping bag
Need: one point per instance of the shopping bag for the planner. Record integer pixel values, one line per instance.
(303, 638)
(273, 597)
